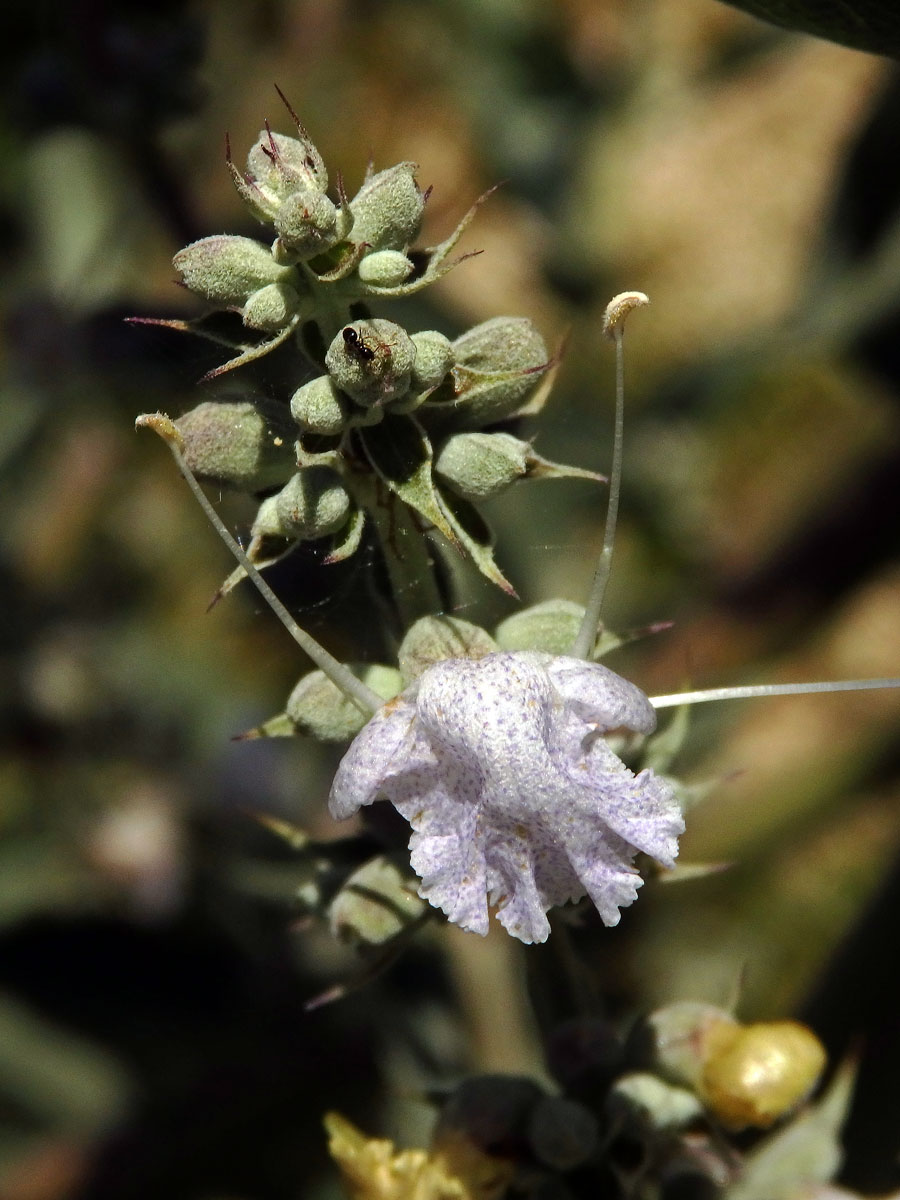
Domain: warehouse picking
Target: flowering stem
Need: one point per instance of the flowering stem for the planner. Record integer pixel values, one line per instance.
(770, 689)
(367, 701)
(409, 557)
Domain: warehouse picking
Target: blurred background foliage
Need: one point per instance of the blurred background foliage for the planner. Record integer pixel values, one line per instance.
(152, 1035)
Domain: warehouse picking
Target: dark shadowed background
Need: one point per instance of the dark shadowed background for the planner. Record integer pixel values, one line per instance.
(153, 1041)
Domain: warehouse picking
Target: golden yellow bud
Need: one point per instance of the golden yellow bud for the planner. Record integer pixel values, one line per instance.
(754, 1074)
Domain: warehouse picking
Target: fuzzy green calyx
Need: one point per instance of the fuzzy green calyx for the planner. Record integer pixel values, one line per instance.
(320, 407)
(387, 209)
(499, 364)
(312, 504)
(433, 639)
(243, 444)
(501, 344)
(372, 361)
(226, 269)
(317, 709)
(271, 308)
(478, 465)
(552, 627)
(376, 904)
(434, 358)
(278, 166)
(308, 224)
(385, 268)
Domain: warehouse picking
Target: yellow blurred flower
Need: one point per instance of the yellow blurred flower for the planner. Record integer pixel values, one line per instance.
(373, 1170)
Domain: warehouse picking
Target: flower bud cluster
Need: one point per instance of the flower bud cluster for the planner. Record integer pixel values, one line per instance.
(612, 1129)
(328, 255)
(380, 415)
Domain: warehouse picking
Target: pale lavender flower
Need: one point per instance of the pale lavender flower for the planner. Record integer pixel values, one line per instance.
(513, 795)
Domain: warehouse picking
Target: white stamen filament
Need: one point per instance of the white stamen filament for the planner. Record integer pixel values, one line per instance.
(770, 689)
(613, 326)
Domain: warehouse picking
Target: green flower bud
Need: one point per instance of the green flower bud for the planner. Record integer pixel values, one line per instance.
(551, 626)
(244, 444)
(271, 308)
(307, 223)
(226, 269)
(433, 639)
(312, 504)
(434, 358)
(372, 361)
(501, 344)
(385, 268)
(317, 708)
(478, 465)
(376, 903)
(498, 365)
(320, 407)
(278, 166)
(387, 209)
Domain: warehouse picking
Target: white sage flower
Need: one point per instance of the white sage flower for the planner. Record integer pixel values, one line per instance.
(514, 797)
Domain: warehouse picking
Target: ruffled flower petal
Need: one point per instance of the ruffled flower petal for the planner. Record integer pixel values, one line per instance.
(514, 798)
(368, 763)
(600, 696)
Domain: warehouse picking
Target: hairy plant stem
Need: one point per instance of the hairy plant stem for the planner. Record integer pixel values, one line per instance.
(409, 556)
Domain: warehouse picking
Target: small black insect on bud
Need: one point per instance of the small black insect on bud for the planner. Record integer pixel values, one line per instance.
(356, 346)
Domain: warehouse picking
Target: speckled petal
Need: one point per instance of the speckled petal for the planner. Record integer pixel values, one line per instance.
(514, 798)
(642, 808)
(521, 909)
(603, 864)
(527, 876)
(601, 697)
(452, 871)
(375, 752)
